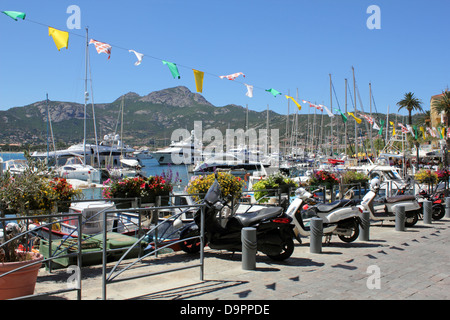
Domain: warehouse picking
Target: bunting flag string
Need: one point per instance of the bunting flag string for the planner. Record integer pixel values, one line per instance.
(232, 76)
(139, 56)
(297, 104)
(358, 120)
(61, 38)
(101, 47)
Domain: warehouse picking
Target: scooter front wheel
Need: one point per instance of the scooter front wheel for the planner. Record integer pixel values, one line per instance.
(286, 252)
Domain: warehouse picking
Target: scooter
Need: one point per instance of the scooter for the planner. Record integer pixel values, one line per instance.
(341, 218)
(384, 209)
(438, 203)
(274, 231)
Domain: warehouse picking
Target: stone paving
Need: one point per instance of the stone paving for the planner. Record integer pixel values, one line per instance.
(392, 265)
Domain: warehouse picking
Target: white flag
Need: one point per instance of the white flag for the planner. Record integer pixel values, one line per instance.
(375, 126)
(330, 114)
(139, 56)
(249, 91)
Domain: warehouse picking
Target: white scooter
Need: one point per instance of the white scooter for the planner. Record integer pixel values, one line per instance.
(383, 209)
(341, 218)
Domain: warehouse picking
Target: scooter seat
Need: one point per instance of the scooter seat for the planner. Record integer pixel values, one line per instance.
(400, 198)
(334, 205)
(247, 219)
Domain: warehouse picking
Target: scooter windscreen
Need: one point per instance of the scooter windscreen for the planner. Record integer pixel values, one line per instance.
(213, 193)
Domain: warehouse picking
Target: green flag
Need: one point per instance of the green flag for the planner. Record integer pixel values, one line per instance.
(15, 14)
(344, 117)
(380, 132)
(173, 69)
(273, 92)
(415, 132)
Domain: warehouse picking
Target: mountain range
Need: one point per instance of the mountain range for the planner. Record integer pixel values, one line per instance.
(147, 120)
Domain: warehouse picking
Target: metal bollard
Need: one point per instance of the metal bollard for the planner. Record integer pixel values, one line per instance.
(427, 212)
(447, 207)
(249, 246)
(316, 232)
(400, 218)
(364, 228)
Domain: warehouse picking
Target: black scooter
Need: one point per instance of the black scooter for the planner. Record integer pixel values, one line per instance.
(274, 231)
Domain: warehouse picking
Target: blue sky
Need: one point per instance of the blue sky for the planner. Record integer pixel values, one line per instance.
(283, 44)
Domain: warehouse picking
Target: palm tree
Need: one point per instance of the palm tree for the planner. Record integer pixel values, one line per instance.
(442, 105)
(410, 103)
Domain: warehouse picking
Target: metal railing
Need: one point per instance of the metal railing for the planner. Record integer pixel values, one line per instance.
(112, 276)
(51, 257)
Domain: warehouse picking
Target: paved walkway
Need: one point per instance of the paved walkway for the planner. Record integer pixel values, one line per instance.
(414, 264)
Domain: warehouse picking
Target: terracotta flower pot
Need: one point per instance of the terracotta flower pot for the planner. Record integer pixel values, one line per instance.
(19, 283)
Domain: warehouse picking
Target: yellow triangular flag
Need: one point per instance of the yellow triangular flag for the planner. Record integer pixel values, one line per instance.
(198, 79)
(298, 105)
(357, 119)
(422, 129)
(61, 38)
(393, 125)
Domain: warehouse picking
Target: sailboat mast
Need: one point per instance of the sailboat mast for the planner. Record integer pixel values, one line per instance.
(356, 124)
(331, 119)
(47, 132)
(345, 123)
(86, 95)
(370, 129)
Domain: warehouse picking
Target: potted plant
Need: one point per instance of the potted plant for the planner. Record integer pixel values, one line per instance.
(31, 193)
(428, 177)
(147, 189)
(274, 181)
(229, 185)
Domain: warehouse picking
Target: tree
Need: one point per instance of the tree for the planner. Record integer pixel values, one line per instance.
(411, 103)
(442, 105)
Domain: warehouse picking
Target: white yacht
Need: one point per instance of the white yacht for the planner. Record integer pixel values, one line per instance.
(187, 151)
(142, 154)
(225, 161)
(109, 152)
(74, 168)
(16, 166)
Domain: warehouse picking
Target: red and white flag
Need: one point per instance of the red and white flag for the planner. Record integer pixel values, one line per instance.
(404, 129)
(101, 47)
(232, 76)
(320, 108)
(369, 119)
